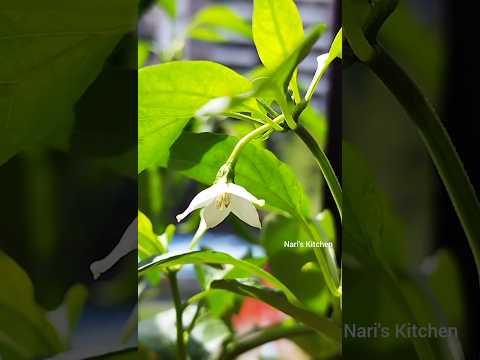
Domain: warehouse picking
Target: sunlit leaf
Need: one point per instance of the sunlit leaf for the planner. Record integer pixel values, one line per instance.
(213, 257)
(169, 95)
(214, 22)
(199, 156)
(277, 30)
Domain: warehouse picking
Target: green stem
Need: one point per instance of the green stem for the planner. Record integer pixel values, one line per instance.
(327, 263)
(258, 338)
(439, 145)
(181, 350)
(190, 327)
(239, 116)
(249, 137)
(325, 166)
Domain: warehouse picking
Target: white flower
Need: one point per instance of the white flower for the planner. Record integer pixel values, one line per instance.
(221, 199)
(127, 243)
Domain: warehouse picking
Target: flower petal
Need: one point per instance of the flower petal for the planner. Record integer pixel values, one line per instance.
(214, 216)
(127, 243)
(245, 211)
(241, 192)
(202, 199)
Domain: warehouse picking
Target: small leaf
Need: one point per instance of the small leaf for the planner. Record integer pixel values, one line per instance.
(202, 257)
(169, 95)
(199, 156)
(279, 77)
(143, 53)
(278, 301)
(213, 22)
(277, 30)
(170, 7)
(149, 243)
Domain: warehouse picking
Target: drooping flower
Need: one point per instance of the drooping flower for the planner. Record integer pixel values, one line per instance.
(222, 198)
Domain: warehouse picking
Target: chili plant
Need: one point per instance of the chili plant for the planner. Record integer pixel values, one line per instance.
(178, 100)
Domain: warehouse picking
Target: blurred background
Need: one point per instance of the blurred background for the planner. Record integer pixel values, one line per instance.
(430, 39)
(70, 191)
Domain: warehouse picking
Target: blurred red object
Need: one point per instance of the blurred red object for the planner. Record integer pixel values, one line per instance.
(254, 314)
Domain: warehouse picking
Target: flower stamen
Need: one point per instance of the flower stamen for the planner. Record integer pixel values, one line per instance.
(223, 201)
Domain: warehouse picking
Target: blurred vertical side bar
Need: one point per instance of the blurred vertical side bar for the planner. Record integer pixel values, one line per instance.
(410, 284)
(68, 187)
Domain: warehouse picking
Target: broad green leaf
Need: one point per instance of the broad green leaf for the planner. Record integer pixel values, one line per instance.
(170, 7)
(169, 95)
(214, 22)
(286, 263)
(51, 63)
(163, 262)
(199, 156)
(278, 301)
(25, 332)
(277, 30)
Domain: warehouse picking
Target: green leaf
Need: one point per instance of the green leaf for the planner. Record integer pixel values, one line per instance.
(169, 95)
(143, 53)
(278, 301)
(25, 332)
(149, 243)
(213, 257)
(278, 79)
(336, 47)
(277, 30)
(286, 263)
(51, 63)
(212, 22)
(199, 156)
(170, 7)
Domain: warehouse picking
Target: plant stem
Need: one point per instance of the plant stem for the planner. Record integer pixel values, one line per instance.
(181, 350)
(249, 137)
(239, 116)
(327, 263)
(258, 338)
(325, 166)
(439, 145)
